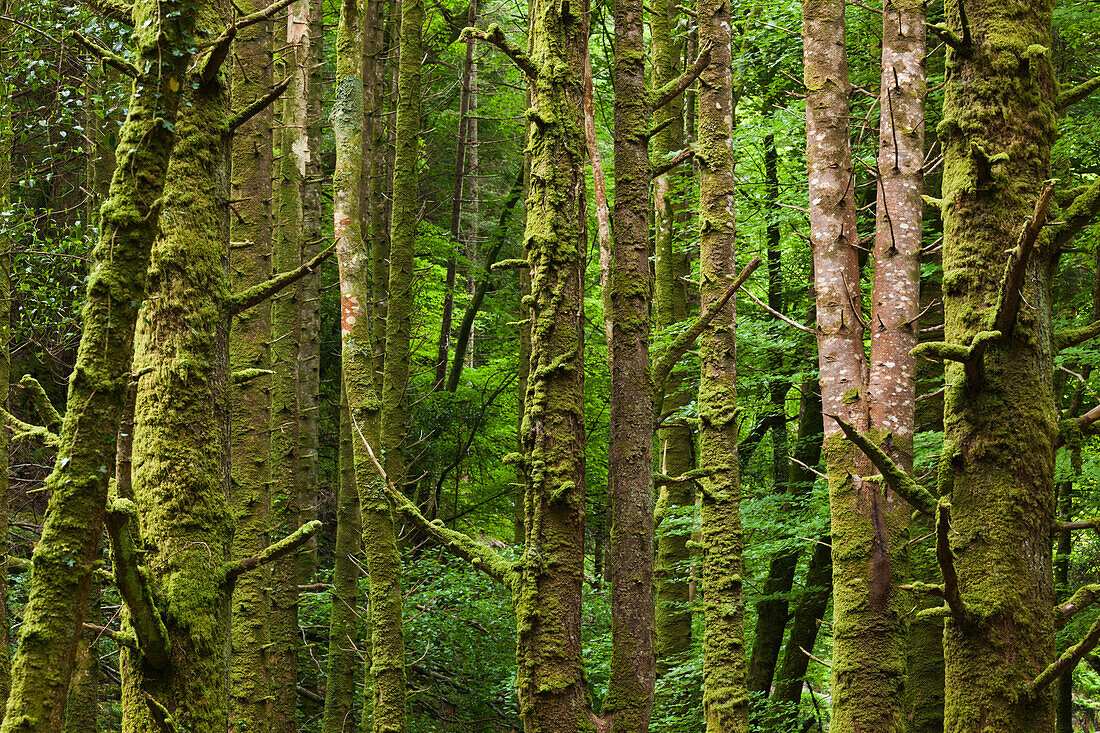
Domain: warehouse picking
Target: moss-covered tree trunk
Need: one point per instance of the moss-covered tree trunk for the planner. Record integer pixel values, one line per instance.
(725, 699)
(806, 618)
(65, 554)
(384, 703)
(629, 701)
(675, 441)
(286, 329)
(179, 471)
(1000, 418)
(547, 592)
(310, 88)
(6, 141)
(343, 660)
(250, 689)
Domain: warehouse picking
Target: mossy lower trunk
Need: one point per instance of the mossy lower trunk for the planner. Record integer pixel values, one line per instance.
(180, 476)
(65, 554)
(547, 592)
(82, 703)
(343, 621)
(384, 694)
(250, 687)
(675, 441)
(725, 699)
(998, 457)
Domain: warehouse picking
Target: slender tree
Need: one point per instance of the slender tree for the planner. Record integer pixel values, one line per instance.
(250, 685)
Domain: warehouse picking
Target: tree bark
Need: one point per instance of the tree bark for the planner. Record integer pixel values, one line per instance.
(180, 447)
(675, 441)
(629, 701)
(65, 554)
(725, 700)
(250, 684)
(344, 619)
(999, 429)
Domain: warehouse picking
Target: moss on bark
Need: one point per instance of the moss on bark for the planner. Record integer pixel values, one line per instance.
(725, 698)
(343, 621)
(180, 472)
(65, 554)
(250, 687)
(998, 126)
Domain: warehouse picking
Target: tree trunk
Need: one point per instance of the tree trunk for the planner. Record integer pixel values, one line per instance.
(287, 327)
(6, 141)
(547, 593)
(869, 526)
(809, 611)
(250, 684)
(675, 441)
(629, 701)
(384, 703)
(313, 239)
(725, 700)
(343, 621)
(65, 554)
(999, 427)
(180, 472)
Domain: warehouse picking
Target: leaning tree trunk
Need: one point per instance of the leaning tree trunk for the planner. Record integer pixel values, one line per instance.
(65, 554)
(725, 699)
(1000, 415)
(6, 140)
(179, 471)
(384, 703)
(250, 689)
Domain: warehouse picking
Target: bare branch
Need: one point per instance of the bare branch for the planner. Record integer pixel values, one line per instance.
(777, 314)
(946, 560)
(898, 480)
(257, 294)
(677, 86)
(494, 34)
(683, 342)
(258, 106)
(1012, 286)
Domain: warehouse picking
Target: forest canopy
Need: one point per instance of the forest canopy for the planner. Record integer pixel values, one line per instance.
(592, 366)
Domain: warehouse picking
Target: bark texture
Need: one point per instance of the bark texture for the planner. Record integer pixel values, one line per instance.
(725, 698)
(997, 129)
(65, 554)
(250, 687)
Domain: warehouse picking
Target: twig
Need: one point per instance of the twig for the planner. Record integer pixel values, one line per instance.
(811, 656)
(777, 314)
